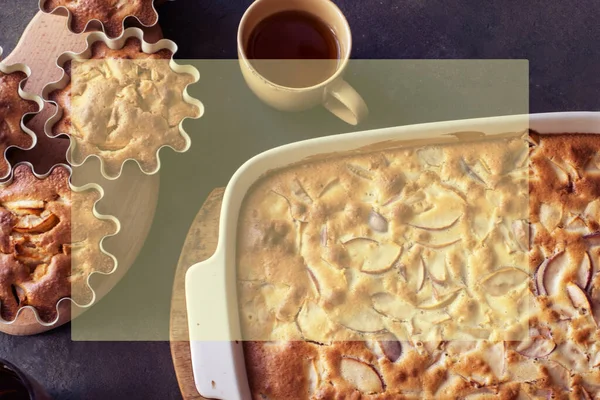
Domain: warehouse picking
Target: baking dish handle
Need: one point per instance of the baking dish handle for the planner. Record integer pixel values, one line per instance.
(217, 359)
(219, 370)
(344, 102)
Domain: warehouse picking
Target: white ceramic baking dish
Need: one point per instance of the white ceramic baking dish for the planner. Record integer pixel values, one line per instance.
(217, 354)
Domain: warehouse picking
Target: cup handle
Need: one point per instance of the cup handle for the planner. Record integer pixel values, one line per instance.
(345, 103)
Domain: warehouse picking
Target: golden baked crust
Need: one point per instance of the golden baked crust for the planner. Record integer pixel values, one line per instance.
(12, 110)
(411, 273)
(111, 13)
(123, 104)
(49, 242)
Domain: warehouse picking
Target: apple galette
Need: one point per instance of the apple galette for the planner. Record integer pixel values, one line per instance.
(49, 243)
(12, 110)
(111, 13)
(123, 104)
(459, 270)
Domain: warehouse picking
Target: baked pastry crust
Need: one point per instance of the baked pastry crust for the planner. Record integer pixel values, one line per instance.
(332, 309)
(12, 110)
(49, 242)
(111, 13)
(123, 104)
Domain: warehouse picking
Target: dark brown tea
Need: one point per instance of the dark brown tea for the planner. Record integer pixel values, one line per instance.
(15, 385)
(11, 386)
(294, 49)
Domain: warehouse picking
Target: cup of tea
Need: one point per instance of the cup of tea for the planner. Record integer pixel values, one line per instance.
(16, 385)
(293, 55)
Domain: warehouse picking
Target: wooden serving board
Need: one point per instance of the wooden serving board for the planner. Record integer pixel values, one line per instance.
(132, 198)
(200, 244)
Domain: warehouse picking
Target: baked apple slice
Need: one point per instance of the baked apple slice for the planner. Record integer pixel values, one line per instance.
(431, 155)
(448, 207)
(361, 319)
(561, 174)
(361, 172)
(540, 344)
(361, 375)
(538, 347)
(592, 211)
(393, 306)
(377, 222)
(274, 205)
(371, 256)
(578, 298)
(593, 239)
(572, 357)
(441, 302)
(548, 274)
(550, 216)
(559, 375)
(34, 224)
(520, 230)
(390, 346)
(24, 205)
(500, 282)
(584, 273)
(493, 355)
(299, 192)
(471, 173)
(314, 324)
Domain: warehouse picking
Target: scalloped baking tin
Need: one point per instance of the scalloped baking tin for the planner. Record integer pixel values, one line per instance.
(117, 44)
(60, 305)
(94, 24)
(8, 69)
(211, 293)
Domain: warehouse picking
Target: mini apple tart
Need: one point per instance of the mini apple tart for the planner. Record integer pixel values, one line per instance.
(110, 13)
(51, 242)
(123, 100)
(15, 107)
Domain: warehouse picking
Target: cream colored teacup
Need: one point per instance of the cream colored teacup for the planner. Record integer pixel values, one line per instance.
(334, 93)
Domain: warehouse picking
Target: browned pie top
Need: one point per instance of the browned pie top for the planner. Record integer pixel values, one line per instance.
(434, 272)
(49, 242)
(132, 50)
(123, 104)
(111, 13)
(12, 110)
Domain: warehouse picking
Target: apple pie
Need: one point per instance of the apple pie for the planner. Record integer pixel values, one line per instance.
(457, 270)
(111, 13)
(50, 242)
(123, 104)
(12, 110)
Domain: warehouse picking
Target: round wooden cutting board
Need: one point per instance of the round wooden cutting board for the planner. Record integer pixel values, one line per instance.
(200, 244)
(132, 198)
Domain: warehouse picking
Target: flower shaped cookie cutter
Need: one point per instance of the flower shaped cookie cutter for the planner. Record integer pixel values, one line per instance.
(24, 98)
(108, 19)
(109, 169)
(63, 311)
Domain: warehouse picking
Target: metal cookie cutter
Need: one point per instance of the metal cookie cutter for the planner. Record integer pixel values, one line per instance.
(110, 170)
(113, 25)
(27, 320)
(7, 70)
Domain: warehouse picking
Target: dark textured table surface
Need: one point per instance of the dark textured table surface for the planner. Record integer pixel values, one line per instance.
(560, 39)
